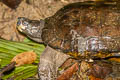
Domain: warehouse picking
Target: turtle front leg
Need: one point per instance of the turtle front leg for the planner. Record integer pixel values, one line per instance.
(50, 61)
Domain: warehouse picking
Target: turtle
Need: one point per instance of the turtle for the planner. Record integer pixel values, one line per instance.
(81, 29)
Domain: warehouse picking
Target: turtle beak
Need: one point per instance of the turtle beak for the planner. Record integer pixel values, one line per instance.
(20, 28)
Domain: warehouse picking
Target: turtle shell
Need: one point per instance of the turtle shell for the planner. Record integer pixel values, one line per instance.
(84, 26)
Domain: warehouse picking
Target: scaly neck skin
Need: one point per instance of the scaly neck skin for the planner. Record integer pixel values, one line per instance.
(36, 36)
(36, 39)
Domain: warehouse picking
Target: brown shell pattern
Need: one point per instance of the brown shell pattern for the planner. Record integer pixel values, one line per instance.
(79, 27)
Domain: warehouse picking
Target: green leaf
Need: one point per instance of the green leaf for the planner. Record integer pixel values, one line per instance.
(9, 49)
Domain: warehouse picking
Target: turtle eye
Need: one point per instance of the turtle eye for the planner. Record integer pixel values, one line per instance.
(25, 23)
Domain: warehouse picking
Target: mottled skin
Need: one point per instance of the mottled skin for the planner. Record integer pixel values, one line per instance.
(77, 28)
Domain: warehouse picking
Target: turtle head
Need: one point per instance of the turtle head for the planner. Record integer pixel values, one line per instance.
(31, 28)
